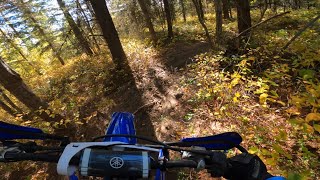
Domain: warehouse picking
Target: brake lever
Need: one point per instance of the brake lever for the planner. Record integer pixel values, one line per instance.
(4, 148)
(195, 157)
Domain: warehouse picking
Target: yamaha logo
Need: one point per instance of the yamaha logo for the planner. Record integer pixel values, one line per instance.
(116, 162)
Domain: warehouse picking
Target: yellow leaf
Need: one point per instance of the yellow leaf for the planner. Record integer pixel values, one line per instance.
(279, 150)
(47, 124)
(282, 103)
(79, 123)
(307, 128)
(271, 161)
(234, 82)
(251, 58)
(313, 92)
(296, 121)
(313, 117)
(235, 99)
(298, 101)
(253, 150)
(27, 122)
(263, 98)
(47, 111)
(272, 100)
(293, 110)
(316, 127)
(265, 152)
(236, 96)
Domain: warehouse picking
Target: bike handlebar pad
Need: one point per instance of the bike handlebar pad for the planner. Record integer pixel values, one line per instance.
(101, 163)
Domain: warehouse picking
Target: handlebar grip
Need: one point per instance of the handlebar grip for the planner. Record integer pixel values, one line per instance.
(181, 163)
(11, 156)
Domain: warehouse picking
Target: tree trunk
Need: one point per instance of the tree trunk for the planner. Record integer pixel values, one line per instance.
(201, 9)
(263, 9)
(110, 34)
(147, 17)
(296, 4)
(88, 25)
(270, 4)
(201, 20)
(275, 6)
(9, 101)
(225, 9)
(82, 42)
(243, 13)
(12, 81)
(172, 10)
(7, 108)
(93, 14)
(218, 7)
(163, 14)
(168, 17)
(133, 15)
(183, 9)
(230, 10)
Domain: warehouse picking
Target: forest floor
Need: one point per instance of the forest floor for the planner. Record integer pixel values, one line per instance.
(186, 89)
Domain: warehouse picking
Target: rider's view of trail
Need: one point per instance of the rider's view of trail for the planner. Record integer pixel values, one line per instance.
(183, 68)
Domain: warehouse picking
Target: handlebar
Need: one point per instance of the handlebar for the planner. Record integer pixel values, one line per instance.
(54, 158)
(76, 161)
(99, 165)
(98, 161)
(42, 157)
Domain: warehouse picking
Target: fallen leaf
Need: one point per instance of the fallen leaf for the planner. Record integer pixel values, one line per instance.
(313, 117)
(263, 98)
(316, 127)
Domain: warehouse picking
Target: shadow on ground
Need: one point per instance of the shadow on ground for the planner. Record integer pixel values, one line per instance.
(179, 54)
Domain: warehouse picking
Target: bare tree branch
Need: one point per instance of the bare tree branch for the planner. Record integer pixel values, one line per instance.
(301, 31)
(254, 26)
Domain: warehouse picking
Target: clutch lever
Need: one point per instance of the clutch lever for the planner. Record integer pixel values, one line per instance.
(8, 146)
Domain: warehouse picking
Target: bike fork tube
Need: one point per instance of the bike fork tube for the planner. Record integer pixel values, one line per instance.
(160, 175)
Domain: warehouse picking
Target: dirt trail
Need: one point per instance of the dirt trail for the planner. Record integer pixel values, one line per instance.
(181, 53)
(160, 86)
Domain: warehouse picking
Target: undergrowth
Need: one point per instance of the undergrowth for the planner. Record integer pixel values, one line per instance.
(269, 96)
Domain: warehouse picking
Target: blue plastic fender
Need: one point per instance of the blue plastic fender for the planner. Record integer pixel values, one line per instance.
(121, 123)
